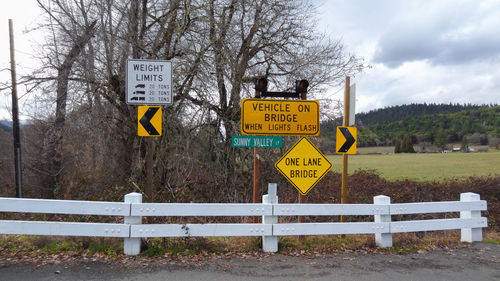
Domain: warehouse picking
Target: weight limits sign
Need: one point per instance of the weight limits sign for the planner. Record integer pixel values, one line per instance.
(280, 117)
(148, 82)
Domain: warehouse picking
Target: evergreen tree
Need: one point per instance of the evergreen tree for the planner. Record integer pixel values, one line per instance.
(397, 147)
(464, 147)
(406, 146)
(439, 138)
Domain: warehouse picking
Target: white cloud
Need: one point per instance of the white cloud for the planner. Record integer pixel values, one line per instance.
(420, 81)
(24, 14)
(438, 51)
(421, 51)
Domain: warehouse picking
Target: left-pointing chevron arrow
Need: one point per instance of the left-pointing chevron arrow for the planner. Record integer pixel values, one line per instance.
(149, 121)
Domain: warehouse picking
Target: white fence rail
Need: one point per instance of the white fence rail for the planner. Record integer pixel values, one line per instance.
(199, 209)
(45, 206)
(64, 228)
(132, 230)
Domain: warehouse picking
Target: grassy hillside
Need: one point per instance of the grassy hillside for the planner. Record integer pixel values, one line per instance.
(424, 167)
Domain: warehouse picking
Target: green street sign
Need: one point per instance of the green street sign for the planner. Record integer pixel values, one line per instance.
(257, 141)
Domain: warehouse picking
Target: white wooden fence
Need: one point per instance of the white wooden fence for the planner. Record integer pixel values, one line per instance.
(132, 230)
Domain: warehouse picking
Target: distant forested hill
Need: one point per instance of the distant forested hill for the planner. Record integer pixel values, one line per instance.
(6, 126)
(438, 124)
(398, 112)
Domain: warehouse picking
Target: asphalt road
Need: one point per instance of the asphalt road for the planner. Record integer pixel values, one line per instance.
(480, 261)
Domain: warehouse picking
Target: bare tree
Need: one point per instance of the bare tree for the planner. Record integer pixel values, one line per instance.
(275, 39)
(216, 46)
(64, 70)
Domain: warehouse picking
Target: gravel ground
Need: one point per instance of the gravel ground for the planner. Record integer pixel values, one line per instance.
(480, 261)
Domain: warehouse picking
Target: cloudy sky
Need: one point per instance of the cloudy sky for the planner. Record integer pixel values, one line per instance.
(434, 51)
(24, 14)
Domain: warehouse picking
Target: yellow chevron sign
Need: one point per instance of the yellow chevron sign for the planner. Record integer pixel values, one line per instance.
(149, 121)
(346, 140)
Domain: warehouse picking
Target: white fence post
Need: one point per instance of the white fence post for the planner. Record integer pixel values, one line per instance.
(132, 246)
(470, 234)
(383, 239)
(270, 243)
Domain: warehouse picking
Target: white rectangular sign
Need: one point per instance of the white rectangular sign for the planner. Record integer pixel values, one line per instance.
(148, 82)
(352, 105)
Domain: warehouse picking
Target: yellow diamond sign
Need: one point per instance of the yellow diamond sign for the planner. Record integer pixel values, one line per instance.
(303, 165)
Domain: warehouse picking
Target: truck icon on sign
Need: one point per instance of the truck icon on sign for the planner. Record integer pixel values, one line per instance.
(138, 98)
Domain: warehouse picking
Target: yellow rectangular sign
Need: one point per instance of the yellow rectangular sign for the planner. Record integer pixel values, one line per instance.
(280, 117)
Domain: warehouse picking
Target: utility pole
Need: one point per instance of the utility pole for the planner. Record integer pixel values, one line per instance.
(15, 115)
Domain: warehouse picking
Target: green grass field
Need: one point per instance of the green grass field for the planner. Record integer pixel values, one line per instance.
(424, 167)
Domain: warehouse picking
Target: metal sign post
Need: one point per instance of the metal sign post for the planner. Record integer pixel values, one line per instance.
(302, 197)
(343, 190)
(256, 156)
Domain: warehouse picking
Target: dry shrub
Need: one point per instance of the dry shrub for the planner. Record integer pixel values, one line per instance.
(431, 239)
(364, 185)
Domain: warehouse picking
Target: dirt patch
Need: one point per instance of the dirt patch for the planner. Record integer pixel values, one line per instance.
(480, 261)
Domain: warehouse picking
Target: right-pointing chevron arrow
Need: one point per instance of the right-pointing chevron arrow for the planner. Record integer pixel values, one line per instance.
(349, 140)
